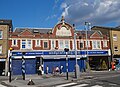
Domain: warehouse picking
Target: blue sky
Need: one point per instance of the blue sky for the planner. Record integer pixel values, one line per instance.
(47, 13)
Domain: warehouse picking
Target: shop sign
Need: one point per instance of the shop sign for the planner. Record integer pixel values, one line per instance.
(38, 53)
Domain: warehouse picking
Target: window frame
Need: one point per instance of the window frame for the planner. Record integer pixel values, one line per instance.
(0, 49)
(14, 42)
(115, 37)
(53, 44)
(95, 44)
(1, 34)
(105, 43)
(81, 42)
(26, 44)
(37, 43)
(44, 44)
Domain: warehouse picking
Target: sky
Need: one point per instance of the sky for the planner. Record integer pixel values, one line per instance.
(47, 13)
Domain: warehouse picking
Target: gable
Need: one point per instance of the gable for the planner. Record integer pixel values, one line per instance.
(26, 33)
(96, 34)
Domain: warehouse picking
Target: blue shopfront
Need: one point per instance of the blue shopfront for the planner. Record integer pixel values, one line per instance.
(51, 59)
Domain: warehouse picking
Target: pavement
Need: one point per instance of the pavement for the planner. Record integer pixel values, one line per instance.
(47, 80)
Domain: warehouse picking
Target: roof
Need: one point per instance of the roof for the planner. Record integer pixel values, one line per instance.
(89, 32)
(34, 30)
(106, 28)
(6, 22)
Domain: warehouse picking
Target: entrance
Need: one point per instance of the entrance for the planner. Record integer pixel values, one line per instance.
(98, 63)
(39, 62)
(2, 68)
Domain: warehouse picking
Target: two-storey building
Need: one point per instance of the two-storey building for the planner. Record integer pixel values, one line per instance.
(45, 46)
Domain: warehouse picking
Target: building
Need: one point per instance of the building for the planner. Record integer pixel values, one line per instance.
(45, 46)
(114, 34)
(5, 29)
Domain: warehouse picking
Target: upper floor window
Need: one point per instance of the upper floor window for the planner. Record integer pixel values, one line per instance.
(81, 44)
(26, 44)
(114, 37)
(53, 44)
(115, 48)
(37, 43)
(0, 49)
(66, 44)
(14, 42)
(105, 43)
(87, 43)
(63, 44)
(96, 44)
(45, 44)
(1, 34)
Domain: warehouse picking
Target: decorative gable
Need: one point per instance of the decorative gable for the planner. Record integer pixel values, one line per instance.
(26, 33)
(63, 30)
(96, 34)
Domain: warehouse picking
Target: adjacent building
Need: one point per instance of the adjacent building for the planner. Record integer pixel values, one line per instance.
(114, 34)
(5, 29)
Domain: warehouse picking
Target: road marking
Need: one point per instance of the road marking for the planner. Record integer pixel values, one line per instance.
(81, 85)
(2, 85)
(68, 84)
(96, 86)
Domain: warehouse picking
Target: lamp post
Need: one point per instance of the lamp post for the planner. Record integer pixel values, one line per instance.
(23, 65)
(77, 71)
(66, 51)
(87, 27)
(10, 64)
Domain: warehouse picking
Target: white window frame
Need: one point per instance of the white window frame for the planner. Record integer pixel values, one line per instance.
(1, 34)
(95, 44)
(53, 44)
(67, 44)
(63, 44)
(82, 43)
(87, 43)
(14, 43)
(27, 45)
(114, 37)
(44, 45)
(105, 43)
(37, 43)
(0, 49)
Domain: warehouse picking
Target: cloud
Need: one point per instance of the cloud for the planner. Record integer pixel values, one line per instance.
(51, 17)
(95, 11)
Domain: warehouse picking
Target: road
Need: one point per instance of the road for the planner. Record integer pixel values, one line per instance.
(92, 79)
(102, 79)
